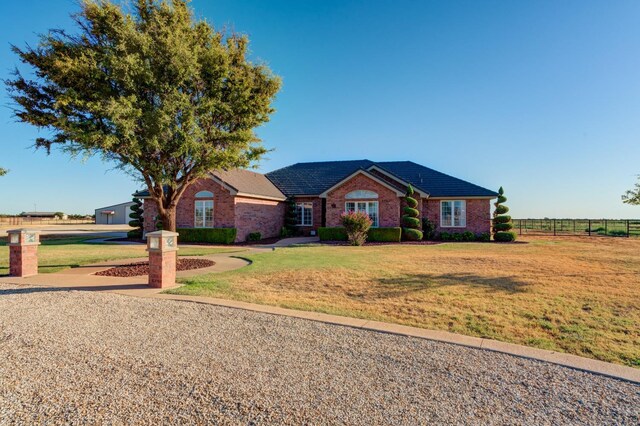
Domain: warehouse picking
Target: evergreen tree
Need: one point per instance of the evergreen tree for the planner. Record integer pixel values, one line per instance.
(291, 217)
(410, 218)
(501, 221)
(137, 219)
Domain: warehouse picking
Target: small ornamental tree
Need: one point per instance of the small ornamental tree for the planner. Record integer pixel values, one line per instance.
(356, 224)
(137, 219)
(410, 218)
(501, 221)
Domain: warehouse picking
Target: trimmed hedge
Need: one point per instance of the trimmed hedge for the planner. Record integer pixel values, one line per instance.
(207, 235)
(332, 234)
(374, 234)
(385, 235)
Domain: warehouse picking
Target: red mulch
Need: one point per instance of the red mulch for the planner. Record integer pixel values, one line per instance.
(381, 243)
(142, 268)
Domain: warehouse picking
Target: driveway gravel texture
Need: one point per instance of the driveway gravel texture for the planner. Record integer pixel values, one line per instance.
(77, 357)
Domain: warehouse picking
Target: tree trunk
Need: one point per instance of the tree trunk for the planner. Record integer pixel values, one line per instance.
(168, 218)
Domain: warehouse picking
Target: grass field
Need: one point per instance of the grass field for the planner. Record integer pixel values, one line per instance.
(577, 295)
(56, 254)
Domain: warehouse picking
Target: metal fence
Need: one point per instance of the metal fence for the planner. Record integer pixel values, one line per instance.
(38, 221)
(583, 227)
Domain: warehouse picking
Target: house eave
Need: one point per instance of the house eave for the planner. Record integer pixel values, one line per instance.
(423, 193)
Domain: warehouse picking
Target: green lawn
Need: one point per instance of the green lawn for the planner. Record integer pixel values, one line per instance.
(576, 295)
(60, 253)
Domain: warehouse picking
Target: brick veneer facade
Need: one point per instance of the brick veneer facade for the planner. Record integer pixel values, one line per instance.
(316, 213)
(229, 211)
(478, 215)
(388, 201)
(162, 269)
(254, 215)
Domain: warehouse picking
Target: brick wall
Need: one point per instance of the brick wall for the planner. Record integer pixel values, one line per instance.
(478, 215)
(223, 207)
(388, 201)
(253, 215)
(317, 214)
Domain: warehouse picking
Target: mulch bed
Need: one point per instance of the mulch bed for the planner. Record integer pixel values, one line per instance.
(142, 268)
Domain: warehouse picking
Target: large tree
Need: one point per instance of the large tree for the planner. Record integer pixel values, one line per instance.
(632, 196)
(3, 171)
(164, 96)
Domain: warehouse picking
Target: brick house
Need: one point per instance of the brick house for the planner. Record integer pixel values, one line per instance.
(254, 202)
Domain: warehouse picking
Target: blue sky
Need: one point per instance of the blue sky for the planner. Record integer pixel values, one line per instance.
(541, 97)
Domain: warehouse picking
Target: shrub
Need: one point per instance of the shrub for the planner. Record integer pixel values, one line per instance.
(500, 227)
(445, 236)
(410, 220)
(284, 232)
(428, 229)
(356, 224)
(332, 234)
(456, 236)
(485, 237)
(412, 234)
(385, 235)
(208, 235)
(137, 219)
(502, 219)
(501, 222)
(468, 236)
(375, 234)
(254, 236)
(504, 237)
(291, 217)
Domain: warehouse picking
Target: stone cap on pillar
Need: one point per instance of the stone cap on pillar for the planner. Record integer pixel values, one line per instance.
(162, 241)
(24, 237)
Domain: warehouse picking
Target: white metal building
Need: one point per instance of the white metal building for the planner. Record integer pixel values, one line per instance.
(114, 215)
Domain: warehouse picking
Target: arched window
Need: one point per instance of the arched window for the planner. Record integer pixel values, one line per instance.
(203, 214)
(361, 194)
(204, 194)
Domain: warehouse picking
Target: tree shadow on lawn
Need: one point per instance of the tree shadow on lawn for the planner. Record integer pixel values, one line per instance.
(399, 286)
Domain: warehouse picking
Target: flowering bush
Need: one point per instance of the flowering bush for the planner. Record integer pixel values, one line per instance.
(356, 224)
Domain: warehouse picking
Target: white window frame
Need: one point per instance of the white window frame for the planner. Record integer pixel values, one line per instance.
(306, 205)
(203, 205)
(367, 209)
(463, 216)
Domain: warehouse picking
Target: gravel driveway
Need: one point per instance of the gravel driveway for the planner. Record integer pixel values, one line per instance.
(88, 357)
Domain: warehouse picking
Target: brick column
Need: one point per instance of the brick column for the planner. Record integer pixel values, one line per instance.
(162, 247)
(23, 252)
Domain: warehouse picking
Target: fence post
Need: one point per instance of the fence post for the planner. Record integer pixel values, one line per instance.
(606, 232)
(589, 227)
(554, 227)
(520, 226)
(628, 233)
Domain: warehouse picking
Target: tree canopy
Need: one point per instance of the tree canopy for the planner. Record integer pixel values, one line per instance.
(3, 171)
(164, 96)
(632, 196)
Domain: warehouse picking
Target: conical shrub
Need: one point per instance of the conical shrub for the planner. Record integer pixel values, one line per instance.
(411, 218)
(502, 226)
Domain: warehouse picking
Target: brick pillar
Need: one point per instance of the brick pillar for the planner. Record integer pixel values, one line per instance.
(163, 250)
(23, 252)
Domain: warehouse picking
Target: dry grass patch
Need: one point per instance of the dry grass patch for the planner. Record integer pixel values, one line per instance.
(575, 295)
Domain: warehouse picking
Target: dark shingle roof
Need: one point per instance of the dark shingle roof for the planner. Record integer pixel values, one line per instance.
(315, 178)
(248, 182)
(436, 183)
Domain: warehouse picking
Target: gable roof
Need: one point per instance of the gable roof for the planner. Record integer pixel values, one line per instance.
(241, 182)
(316, 178)
(249, 183)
